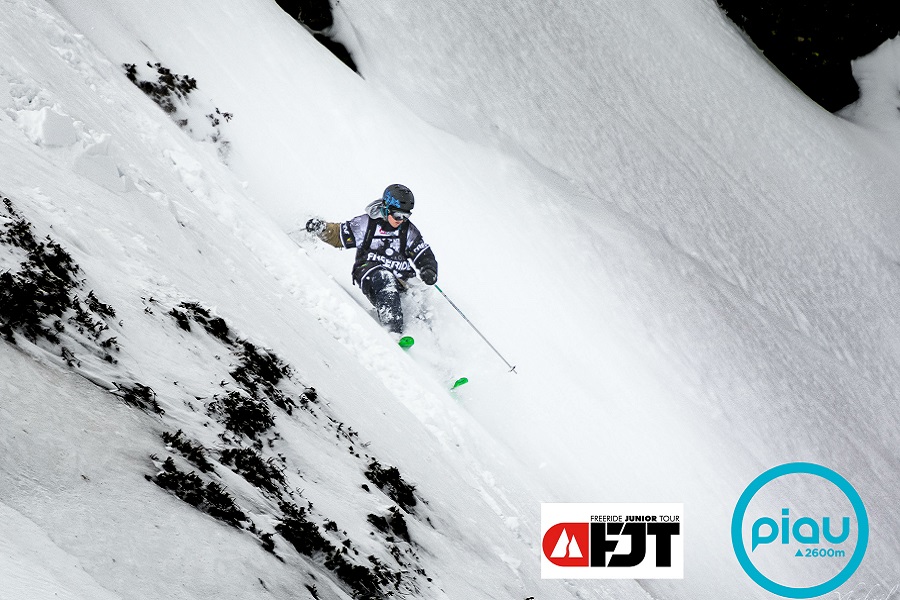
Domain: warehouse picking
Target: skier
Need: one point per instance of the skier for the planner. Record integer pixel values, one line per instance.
(387, 246)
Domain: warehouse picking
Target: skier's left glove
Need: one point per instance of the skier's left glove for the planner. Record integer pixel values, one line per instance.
(315, 226)
(428, 275)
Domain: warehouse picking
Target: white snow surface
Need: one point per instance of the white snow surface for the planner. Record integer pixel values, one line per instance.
(693, 267)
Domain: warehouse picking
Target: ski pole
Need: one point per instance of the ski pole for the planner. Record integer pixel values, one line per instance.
(511, 367)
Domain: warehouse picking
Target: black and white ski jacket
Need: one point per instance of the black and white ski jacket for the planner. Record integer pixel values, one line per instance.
(380, 246)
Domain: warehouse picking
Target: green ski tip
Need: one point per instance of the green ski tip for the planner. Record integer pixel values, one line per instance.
(406, 342)
(459, 382)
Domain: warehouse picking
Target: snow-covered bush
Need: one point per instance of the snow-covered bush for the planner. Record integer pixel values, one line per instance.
(192, 451)
(139, 396)
(211, 497)
(259, 472)
(172, 92)
(168, 88)
(242, 414)
(187, 311)
(392, 484)
(392, 523)
(41, 297)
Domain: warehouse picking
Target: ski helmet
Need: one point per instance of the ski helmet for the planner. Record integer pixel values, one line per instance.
(397, 199)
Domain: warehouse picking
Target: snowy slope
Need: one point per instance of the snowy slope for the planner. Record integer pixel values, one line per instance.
(749, 233)
(154, 219)
(690, 264)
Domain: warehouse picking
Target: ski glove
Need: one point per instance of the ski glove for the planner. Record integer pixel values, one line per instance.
(315, 226)
(428, 275)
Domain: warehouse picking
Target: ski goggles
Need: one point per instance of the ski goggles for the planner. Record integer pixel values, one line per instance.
(400, 215)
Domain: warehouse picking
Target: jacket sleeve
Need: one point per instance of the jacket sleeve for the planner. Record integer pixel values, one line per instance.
(332, 235)
(420, 252)
(426, 259)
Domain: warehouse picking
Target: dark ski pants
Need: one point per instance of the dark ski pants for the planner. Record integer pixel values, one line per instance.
(383, 291)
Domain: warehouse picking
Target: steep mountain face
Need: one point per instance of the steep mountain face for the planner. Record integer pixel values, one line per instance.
(175, 419)
(693, 268)
(740, 236)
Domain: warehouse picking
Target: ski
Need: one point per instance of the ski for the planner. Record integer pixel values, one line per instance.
(459, 382)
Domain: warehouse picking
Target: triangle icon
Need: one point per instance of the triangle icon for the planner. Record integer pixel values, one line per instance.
(799, 553)
(574, 550)
(560, 550)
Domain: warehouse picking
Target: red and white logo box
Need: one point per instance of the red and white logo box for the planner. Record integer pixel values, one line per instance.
(612, 541)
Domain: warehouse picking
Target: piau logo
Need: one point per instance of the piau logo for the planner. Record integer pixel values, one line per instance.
(800, 530)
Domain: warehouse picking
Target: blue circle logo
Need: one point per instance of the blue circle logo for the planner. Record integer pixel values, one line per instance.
(737, 538)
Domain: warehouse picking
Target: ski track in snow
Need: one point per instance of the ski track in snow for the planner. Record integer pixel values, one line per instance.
(35, 568)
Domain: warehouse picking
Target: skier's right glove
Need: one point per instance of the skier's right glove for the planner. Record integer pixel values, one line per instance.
(428, 275)
(316, 226)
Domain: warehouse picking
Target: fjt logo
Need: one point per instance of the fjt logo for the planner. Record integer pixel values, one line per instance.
(612, 541)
